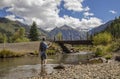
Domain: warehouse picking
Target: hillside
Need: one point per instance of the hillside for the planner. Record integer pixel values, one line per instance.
(9, 27)
(114, 28)
(99, 28)
(43, 32)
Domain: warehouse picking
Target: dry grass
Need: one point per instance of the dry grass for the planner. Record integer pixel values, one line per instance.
(28, 48)
(9, 54)
(25, 47)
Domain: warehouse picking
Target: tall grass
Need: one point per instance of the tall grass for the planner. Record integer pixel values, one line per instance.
(99, 51)
(83, 47)
(51, 52)
(9, 54)
(103, 51)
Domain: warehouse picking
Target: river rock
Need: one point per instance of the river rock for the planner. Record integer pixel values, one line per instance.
(117, 58)
(97, 60)
(59, 67)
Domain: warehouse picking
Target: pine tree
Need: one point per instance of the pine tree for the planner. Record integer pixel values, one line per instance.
(33, 35)
(114, 28)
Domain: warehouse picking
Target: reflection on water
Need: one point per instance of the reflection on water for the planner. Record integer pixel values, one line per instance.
(43, 71)
(15, 68)
(76, 58)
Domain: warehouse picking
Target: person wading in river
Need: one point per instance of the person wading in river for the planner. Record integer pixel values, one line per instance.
(42, 51)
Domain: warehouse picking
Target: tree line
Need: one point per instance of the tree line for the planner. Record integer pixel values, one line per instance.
(20, 35)
(112, 32)
(114, 28)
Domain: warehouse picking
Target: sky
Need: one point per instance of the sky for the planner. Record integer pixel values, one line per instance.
(48, 14)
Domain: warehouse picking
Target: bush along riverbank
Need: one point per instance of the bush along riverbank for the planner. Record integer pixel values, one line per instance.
(107, 51)
(9, 54)
(26, 49)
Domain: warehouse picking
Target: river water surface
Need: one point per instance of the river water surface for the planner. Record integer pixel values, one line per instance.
(16, 68)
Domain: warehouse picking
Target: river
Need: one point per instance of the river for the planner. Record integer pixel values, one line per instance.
(16, 68)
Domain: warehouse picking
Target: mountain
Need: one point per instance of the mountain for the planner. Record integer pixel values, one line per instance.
(9, 27)
(112, 27)
(43, 32)
(68, 33)
(100, 28)
(27, 27)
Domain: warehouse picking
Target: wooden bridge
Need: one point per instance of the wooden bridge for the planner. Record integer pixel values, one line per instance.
(76, 42)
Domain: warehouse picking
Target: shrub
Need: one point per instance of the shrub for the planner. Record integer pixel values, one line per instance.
(115, 46)
(102, 38)
(108, 48)
(53, 49)
(109, 56)
(21, 40)
(50, 52)
(19, 36)
(36, 52)
(100, 51)
(8, 54)
(103, 51)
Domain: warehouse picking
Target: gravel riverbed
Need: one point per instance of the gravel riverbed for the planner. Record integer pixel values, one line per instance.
(110, 70)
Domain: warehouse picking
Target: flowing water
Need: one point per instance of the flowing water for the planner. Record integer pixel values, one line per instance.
(16, 68)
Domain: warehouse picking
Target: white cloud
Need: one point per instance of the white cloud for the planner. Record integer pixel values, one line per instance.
(12, 17)
(91, 22)
(75, 5)
(83, 23)
(73, 22)
(86, 14)
(45, 13)
(86, 8)
(113, 12)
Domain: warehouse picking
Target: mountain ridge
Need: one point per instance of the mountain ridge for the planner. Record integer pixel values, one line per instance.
(99, 28)
(8, 26)
(68, 33)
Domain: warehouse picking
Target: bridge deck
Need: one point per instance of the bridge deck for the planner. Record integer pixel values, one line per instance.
(76, 42)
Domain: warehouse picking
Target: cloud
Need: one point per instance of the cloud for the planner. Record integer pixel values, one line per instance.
(90, 22)
(75, 5)
(86, 14)
(86, 8)
(46, 13)
(13, 17)
(84, 23)
(113, 12)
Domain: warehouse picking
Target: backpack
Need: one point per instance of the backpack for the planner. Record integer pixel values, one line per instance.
(43, 46)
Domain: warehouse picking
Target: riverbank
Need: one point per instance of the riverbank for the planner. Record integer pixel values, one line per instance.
(8, 50)
(11, 50)
(110, 70)
(25, 47)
